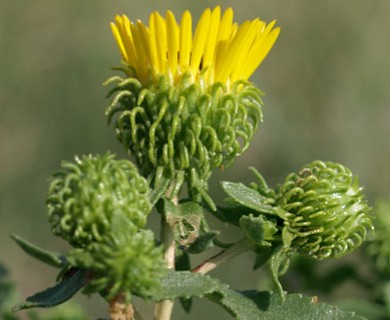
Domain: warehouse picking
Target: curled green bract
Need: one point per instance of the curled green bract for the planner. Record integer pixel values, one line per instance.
(324, 211)
(84, 195)
(187, 129)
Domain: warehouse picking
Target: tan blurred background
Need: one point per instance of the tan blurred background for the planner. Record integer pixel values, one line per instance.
(328, 92)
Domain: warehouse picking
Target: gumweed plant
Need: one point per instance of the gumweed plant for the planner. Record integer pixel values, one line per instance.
(183, 106)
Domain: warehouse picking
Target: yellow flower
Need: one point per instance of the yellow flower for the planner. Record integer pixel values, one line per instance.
(218, 51)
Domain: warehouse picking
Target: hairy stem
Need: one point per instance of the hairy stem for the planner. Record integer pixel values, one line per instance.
(223, 256)
(163, 309)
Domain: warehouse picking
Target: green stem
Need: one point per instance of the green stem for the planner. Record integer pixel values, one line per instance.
(236, 249)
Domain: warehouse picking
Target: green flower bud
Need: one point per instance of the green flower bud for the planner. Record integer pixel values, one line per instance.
(324, 211)
(84, 195)
(121, 263)
(379, 247)
(185, 127)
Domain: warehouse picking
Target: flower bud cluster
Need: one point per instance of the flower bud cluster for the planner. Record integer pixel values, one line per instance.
(100, 205)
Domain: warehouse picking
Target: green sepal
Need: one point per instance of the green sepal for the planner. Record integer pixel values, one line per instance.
(257, 229)
(50, 297)
(43, 255)
(248, 197)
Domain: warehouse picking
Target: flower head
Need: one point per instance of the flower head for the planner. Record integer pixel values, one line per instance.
(218, 51)
(324, 211)
(85, 194)
(185, 106)
(123, 262)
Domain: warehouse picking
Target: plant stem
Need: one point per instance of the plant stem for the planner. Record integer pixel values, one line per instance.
(120, 310)
(163, 309)
(223, 256)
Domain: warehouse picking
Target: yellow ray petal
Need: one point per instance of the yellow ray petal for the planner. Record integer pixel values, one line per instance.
(223, 39)
(212, 37)
(185, 40)
(141, 38)
(173, 41)
(260, 51)
(118, 39)
(201, 33)
(132, 58)
(233, 51)
(158, 35)
(152, 43)
(225, 25)
(242, 58)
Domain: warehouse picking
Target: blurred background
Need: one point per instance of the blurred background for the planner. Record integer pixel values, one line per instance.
(327, 97)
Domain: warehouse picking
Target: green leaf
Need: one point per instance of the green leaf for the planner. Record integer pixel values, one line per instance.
(183, 263)
(247, 197)
(248, 305)
(257, 229)
(185, 219)
(43, 255)
(254, 305)
(55, 295)
(368, 309)
(231, 214)
(186, 284)
(190, 208)
(203, 242)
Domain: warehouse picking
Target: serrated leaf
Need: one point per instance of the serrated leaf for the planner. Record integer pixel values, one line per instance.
(186, 284)
(254, 305)
(247, 197)
(248, 305)
(43, 255)
(55, 295)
